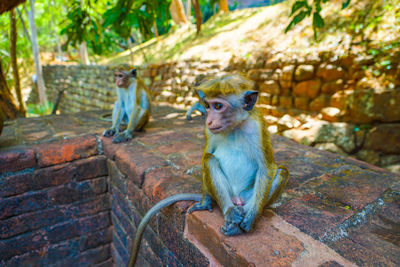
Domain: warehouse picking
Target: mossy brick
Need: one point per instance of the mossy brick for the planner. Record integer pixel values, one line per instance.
(22, 244)
(35, 220)
(353, 186)
(57, 152)
(117, 178)
(16, 159)
(91, 167)
(28, 202)
(313, 215)
(95, 239)
(123, 253)
(75, 191)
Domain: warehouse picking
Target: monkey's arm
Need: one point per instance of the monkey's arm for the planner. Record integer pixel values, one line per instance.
(155, 209)
(116, 119)
(198, 107)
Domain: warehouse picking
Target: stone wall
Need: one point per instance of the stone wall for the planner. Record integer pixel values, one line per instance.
(54, 205)
(333, 103)
(334, 211)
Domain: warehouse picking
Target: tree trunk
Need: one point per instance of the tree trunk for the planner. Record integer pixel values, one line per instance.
(13, 57)
(197, 13)
(223, 6)
(188, 9)
(177, 12)
(84, 54)
(23, 25)
(36, 56)
(7, 102)
(155, 29)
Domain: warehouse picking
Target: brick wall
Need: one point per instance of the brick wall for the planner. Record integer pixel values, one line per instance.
(54, 205)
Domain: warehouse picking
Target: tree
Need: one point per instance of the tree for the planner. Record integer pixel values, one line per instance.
(197, 13)
(13, 56)
(36, 56)
(177, 12)
(7, 102)
(223, 6)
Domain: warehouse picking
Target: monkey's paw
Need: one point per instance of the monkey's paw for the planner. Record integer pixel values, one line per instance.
(189, 117)
(235, 216)
(109, 132)
(248, 221)
(231, 229)
(123, 137)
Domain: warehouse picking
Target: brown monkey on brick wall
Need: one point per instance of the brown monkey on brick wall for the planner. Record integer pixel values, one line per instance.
(239, 172)
(133, 105)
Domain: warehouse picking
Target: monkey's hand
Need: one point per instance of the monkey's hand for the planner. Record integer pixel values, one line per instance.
(232, 221)
(204, 205)
(110, 132)
(248, 220)
(122, 137)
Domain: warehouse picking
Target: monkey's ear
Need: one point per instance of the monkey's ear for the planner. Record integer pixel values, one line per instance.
(250, 99)
(200, 94)
(134, 73)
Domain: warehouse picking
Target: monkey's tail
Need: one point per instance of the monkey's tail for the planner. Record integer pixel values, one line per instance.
(145, 220)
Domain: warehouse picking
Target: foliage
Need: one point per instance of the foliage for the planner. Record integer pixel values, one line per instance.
(303, 9)
(35, 110)
(140, 14)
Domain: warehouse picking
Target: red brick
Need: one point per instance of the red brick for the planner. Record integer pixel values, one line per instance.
(66, 150)
(265, 246)
(23, 203)
(16, 159)
(73, 191)
(134, 160)
(91, 168)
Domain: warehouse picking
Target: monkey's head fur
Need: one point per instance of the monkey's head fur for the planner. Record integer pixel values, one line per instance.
(229, 100)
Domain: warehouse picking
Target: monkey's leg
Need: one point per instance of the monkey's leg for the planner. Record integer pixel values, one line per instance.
(116, 120)
(221, 189)
(267, 192)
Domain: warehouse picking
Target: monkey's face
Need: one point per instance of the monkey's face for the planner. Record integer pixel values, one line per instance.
(122, 79)
(226, 113)
(220, 115)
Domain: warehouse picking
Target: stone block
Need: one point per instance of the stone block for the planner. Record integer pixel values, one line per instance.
(16, 159)
(330, 114)
(279, 112)
(91, 168)
(329, 72)
(270, 87)
(304, 72)
(384, 138)
(66, 150)
(275, 100)
(320, 102)
(264, 98)
(332, 87)
(310, 88)
(286, 101)
(301, 102)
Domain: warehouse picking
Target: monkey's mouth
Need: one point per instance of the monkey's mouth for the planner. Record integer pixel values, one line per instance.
(216, 130)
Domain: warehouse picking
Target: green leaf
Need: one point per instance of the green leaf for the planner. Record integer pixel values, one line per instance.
(345, 3)
(318, 21)
(298, 5)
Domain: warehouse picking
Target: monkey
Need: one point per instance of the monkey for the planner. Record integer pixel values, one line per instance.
(239, 172)
(197, 106)
(133, 105)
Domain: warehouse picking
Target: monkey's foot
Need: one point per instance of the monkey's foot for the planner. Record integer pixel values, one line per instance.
(248, 221)
(188, 117)
(123, 137)
(109, 132)
(206, 205)
(231, 229)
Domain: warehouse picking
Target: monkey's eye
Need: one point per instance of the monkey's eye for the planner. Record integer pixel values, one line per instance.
(206, 105)
(218, 106)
